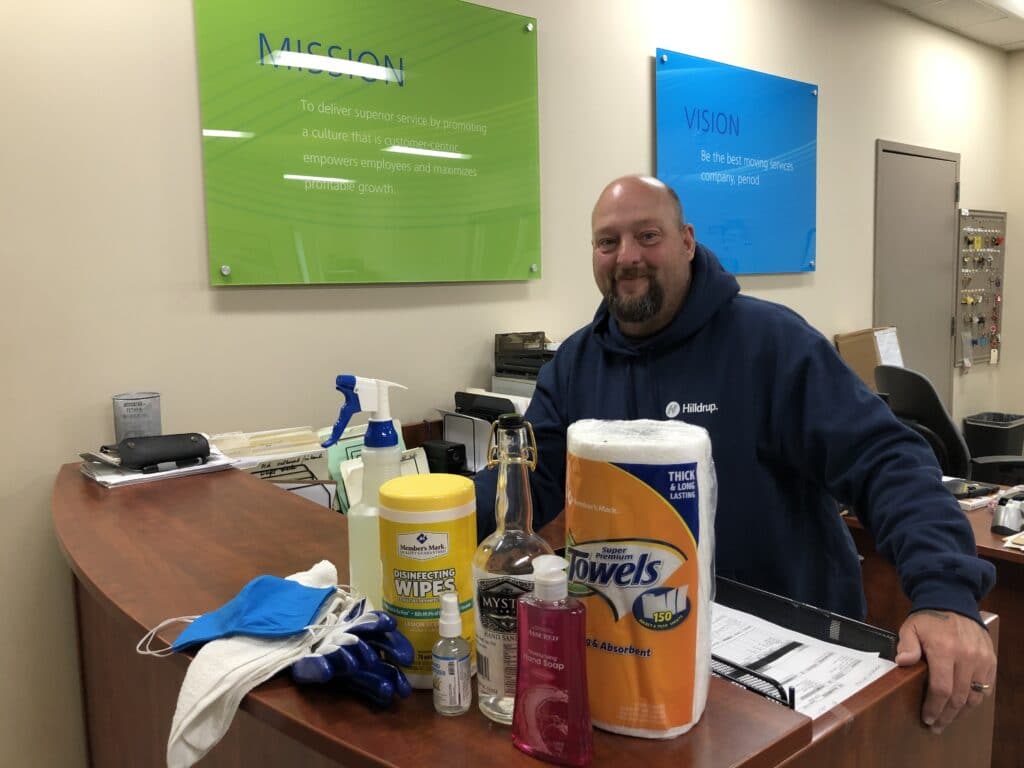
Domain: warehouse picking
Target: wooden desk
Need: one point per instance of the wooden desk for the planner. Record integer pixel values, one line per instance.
(145, 553)
(888, 607)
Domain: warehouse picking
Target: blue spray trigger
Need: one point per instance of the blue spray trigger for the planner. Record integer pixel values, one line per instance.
(346, 384)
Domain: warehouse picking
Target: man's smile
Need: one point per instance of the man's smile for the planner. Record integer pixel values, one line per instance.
(632, 280)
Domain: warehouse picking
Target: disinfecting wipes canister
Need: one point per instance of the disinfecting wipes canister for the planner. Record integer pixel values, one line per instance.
(640, 504)
(427, 540)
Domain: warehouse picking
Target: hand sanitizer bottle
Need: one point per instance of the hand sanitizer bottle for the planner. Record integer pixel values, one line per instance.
(450, 661)
(552, 712)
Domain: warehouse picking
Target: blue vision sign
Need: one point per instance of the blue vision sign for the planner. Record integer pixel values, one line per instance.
(740, 148)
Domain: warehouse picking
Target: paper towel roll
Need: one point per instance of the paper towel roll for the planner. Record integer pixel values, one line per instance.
(640, 518)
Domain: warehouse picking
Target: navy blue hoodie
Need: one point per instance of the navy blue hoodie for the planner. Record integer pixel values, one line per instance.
(793, 430)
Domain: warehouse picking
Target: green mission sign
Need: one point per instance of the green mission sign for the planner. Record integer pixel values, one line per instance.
(368, 141)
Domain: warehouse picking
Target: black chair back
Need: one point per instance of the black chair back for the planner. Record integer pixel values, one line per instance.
(915, 402)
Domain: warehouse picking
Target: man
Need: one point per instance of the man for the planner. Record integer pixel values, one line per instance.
(792, 429)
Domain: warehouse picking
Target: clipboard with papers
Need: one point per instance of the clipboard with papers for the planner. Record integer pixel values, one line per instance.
(760, 640)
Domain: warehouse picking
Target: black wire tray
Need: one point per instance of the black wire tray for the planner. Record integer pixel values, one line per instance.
(753, 681)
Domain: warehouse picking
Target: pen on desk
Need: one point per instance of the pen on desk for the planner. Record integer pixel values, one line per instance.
(161, 467)
(165, 466)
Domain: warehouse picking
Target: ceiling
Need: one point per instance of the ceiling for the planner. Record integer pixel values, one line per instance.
(999, 23)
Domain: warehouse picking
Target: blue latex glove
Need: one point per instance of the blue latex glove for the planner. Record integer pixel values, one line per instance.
(350, 657)
(385, 638)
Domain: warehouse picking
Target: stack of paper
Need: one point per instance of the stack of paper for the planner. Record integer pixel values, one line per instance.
(823, 674)
(281, 455)
(271, 442)
(106, 470)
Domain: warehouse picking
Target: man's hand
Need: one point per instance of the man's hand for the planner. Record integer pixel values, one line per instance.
(959, 652)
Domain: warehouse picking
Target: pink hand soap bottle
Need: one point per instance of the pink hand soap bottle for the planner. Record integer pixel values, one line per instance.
(552, 713)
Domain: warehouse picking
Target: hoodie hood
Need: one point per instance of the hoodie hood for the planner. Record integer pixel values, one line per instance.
(710, 288)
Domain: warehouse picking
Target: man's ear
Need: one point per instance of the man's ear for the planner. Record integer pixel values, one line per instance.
(689, 240)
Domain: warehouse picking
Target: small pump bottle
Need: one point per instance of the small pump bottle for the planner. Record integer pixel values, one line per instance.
(450, 661)
(552, 711)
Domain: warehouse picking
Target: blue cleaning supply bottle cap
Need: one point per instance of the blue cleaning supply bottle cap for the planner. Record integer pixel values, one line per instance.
(380, 434)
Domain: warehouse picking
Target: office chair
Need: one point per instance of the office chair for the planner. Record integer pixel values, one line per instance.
(915, 402)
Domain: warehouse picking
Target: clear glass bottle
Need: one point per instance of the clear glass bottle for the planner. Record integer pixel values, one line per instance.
(503, 566)
(450, 661)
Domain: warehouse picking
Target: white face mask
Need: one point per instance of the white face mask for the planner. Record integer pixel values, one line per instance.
(342, 605)
(225, 669)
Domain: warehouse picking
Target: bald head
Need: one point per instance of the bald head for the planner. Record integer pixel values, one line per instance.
(621, 186)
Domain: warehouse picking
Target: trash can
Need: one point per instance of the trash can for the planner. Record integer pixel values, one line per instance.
(994, 434)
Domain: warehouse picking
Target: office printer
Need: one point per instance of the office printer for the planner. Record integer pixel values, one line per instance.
(517, 360)
(470, 422)
(487, 406)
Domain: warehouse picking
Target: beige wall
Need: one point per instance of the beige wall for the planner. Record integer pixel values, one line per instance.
(103, 243)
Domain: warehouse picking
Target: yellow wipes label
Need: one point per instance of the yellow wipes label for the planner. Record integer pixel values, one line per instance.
(632, 532)
(420, 562)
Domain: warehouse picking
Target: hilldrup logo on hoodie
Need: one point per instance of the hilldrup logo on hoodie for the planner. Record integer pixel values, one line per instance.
(674, 409)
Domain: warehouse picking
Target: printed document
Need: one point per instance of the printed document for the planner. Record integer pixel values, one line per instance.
(822, 674)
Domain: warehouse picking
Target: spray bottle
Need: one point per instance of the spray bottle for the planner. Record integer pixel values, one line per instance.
(453, 692)
(382, 460)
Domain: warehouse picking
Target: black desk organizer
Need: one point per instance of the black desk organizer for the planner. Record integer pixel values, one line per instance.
(798, 617)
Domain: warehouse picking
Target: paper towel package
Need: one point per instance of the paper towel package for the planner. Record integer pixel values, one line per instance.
(640, 500)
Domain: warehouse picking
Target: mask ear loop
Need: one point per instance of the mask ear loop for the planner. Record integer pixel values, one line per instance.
(145, 646)
(342, 602)
(354, 603)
